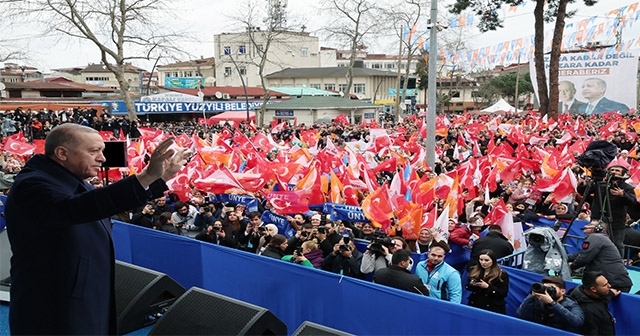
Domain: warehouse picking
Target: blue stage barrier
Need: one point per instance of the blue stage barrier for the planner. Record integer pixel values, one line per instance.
(297, 293)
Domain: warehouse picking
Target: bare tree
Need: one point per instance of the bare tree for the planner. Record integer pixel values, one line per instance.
(265, 30)
(408, 14)
(122, 30)
(351, 22)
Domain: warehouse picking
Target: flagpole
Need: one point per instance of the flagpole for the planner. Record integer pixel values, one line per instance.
(431, 106)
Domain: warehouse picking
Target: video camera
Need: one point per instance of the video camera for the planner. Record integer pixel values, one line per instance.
(379, 239)
(596, 157)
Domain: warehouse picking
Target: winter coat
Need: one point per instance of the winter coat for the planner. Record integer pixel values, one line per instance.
(443, 281)
(400, 278)
(273, 252)
(566, 314)
(597, 317)
(600, 254)
(491, 298)
(493, 241)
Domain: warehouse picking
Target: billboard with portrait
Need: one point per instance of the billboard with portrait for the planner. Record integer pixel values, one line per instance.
(595, 82)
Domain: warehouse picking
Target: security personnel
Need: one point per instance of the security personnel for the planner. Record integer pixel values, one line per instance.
(600, 254)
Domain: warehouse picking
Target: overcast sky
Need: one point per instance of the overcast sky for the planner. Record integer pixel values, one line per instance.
(206, 18)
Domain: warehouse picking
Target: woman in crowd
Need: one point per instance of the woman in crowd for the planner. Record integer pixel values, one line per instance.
(488, 283)
(277, 244)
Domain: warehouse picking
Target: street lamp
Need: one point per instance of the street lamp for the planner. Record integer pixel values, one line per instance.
(246, 96)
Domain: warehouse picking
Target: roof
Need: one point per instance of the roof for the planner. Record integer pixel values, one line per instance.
(303, 91)
(57, 84)
(196, 62)
(99, 67)
(328, 72)
(73, 71)
(233, 91)
(319, 102)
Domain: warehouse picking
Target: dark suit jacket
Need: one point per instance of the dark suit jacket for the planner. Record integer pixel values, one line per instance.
(397, 277)
(606, 105)
(62, 269)
(573, 109)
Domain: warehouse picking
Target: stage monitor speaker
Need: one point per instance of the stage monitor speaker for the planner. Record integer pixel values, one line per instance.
(200, 312)
(313, 329)
(115, 153)
(142, 296)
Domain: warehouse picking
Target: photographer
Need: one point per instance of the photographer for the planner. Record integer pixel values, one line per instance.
(620, 196)
(302, 235)
(185, 216)
(214, 234)
(548, 305)
(145, 217)
(205, 217)
(345, 259)
(378, 253)
(327, 237)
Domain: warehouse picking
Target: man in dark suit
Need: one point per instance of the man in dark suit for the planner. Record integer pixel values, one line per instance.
(62, 268)
(398, 276)
(593, 90)
(568, 103)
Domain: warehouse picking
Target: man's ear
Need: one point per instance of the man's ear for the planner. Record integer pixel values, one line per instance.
(61, 153)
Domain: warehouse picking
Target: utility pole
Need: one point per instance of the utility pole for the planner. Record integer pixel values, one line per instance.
(398, 95)
(517, 82)
(431, 107)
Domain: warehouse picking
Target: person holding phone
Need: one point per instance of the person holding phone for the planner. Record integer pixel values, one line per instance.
(488, 283)
(306, 255)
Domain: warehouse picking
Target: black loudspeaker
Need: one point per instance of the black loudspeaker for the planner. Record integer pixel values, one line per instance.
(115, 153)
(200, 312)
(142, 296)
(312, 329)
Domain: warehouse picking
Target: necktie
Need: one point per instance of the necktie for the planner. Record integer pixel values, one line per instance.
(589, 109)
(566, 108)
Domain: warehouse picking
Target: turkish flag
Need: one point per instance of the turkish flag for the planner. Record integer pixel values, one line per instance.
(289, 202)
(18, 147)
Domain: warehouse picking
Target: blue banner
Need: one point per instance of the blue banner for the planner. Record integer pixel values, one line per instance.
(280, 221)
(119, 108)
(349, 213)
(249, 201)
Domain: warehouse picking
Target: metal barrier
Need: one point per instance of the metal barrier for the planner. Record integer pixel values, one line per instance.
(513, 260)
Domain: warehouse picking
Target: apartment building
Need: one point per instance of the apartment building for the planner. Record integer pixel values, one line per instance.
(187, 73)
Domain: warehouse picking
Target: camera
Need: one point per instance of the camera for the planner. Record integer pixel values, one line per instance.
(536, 239)
(215, 228)
(540, 288)
(208, 209)
(343, 248)
(304, 233)
(262, 228)
(323, 229)
(379, 239)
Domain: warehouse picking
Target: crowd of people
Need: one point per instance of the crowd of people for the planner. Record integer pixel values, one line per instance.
(319, 241)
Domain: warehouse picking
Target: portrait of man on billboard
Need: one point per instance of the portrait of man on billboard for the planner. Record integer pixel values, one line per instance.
(568, 103)
(593, 90)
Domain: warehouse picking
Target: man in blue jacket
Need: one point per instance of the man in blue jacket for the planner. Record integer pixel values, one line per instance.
(62, 268)
(551, 307)
(441, 279)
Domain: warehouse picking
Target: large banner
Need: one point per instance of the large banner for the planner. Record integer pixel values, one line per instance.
(595, 82)
(184, 82)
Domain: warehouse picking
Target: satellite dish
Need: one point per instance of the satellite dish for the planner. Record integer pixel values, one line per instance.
(341, 94)
(2, 86)
(210, 80)
(218, 94)
(200, 94)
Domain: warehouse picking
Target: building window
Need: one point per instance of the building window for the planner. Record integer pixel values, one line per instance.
(259, 49)
(304, 52)
(376, 66)
(227, 50)
(227, 71)
(475, 94)
(315, 86)
(455, 94)
(330, 87)
(243, 71)
(198, 74)
(358, 88)
(188, 74)
(342, 87)
(175, 74)
(242, 50)
(389, 66)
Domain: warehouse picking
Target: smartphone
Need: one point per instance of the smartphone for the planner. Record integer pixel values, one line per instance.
(299, 250)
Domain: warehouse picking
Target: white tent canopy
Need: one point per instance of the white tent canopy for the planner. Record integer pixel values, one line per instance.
(500, 106)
